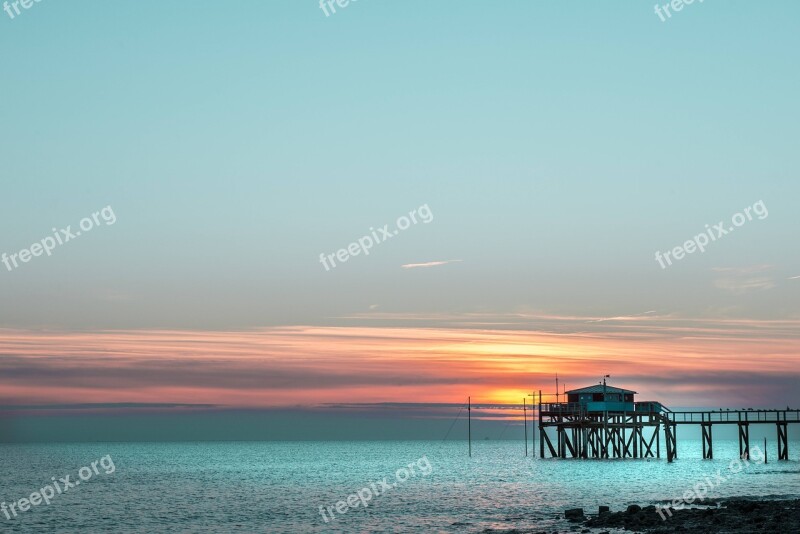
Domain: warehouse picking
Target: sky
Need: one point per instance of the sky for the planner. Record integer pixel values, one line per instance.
(548, 151)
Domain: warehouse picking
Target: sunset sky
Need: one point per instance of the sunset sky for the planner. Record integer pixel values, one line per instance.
(557, 149)
(679, 362)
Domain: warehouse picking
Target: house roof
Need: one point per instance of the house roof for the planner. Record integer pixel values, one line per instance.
(598, 388)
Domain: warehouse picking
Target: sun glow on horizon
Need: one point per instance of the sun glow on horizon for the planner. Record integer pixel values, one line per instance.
(308, 365)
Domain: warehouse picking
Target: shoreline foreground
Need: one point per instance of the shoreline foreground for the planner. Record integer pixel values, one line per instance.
(732, 515)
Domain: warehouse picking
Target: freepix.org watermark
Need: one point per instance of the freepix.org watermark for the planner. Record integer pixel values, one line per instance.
(59, 237)
(12, 8)
(364, 495)
(330, 5)
(700, 241)
(51, 490)
(381, 236)
(701, 489)
(675, 5)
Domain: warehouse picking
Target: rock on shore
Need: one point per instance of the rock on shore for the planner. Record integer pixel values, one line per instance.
(732, 515)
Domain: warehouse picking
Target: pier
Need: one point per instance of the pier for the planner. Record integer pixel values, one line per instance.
(603, 421)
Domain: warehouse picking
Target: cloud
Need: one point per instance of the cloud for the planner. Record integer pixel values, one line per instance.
(623, 317)
(493, 358)
(740, 280)
(744, 270)
(427, 264)
(793, 277)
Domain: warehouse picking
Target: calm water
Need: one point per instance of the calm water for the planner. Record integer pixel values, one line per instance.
(279, 487)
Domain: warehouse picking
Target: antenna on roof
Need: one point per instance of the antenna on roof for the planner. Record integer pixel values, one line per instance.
(556, 388)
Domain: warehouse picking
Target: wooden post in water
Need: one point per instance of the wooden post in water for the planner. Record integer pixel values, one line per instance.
(525, 423)
(469, 424)
(658, 442)
(533, 426)
(765, 450)
(541, 430)
(532, 395)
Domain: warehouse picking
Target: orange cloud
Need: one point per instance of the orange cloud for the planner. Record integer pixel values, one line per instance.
(677, 361)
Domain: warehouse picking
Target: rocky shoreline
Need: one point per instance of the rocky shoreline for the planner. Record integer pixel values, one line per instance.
(735, 515)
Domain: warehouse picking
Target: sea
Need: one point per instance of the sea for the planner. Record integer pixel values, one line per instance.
(307, 487)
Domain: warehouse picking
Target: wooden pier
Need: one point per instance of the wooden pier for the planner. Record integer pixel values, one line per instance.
(743, 419)
(605, 422)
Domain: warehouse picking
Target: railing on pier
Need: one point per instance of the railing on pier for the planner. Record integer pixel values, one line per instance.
(562, 407)
(582, 408)
(735, 416)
